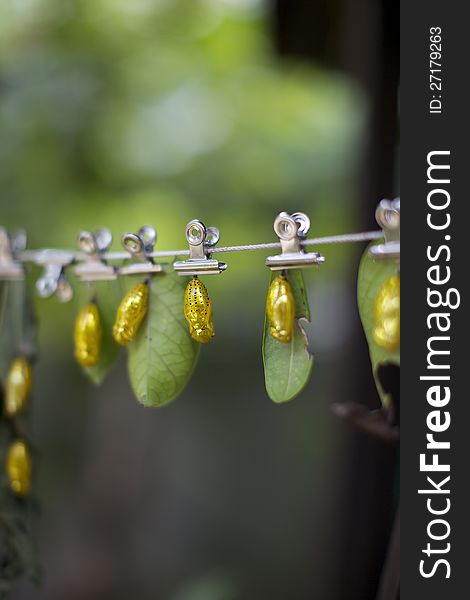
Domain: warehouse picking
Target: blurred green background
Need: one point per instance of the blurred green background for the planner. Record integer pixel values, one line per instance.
(118, 113)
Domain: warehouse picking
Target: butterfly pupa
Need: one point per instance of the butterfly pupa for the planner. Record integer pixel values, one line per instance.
(18, 468)
(198, 311)
(17, 387)
(387, 315)
(280, 309)
(88, 334)
(130, 314)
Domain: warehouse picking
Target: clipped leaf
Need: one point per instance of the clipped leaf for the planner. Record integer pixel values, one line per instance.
(287, 366)
(107, 295)
(163, 355)
(17, 324)
(373, 274)
(18, 556)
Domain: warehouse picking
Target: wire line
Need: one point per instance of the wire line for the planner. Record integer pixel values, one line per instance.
(36, 256)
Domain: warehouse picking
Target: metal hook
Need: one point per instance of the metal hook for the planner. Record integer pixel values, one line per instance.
(201, 240)
(387, 215)
(140, 246)
(10, 268)
(93, 247)
(291, 229)
(53, 279)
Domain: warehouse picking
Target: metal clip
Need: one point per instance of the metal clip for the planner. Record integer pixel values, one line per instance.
(53, 280)
(201, 240)
(140, 246)
(94, 246)
(388, 218)
(291, 230)
(10, 268)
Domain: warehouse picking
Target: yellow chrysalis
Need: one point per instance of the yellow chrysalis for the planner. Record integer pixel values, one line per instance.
(18, 468)
(17, 387)
(280, 309)
(387, 315)
(198, 311)
(130, 313)
(87, 335)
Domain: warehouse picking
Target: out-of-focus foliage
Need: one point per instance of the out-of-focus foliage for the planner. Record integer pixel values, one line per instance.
(120, 111)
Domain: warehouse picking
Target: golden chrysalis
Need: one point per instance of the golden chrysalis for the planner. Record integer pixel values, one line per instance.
(18, 468)
(87, 336)
(17, 387)
(130, 313)
(280, 309)
(198, 311)
(387, 314)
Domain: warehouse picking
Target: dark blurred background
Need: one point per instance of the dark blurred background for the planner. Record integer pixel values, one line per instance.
(118, 113)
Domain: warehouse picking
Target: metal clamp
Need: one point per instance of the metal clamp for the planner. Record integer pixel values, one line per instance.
(202, 241)
(93, 246)
(10, 268)
(140, 246)
(291, 230)
(388, 218)
(53, 279)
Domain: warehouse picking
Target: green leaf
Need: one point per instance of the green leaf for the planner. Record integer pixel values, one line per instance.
(163, 355)
(287, 367)
(17, 324)
(107, 295)
(17, 337)
(18, 555)
(372, 275)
